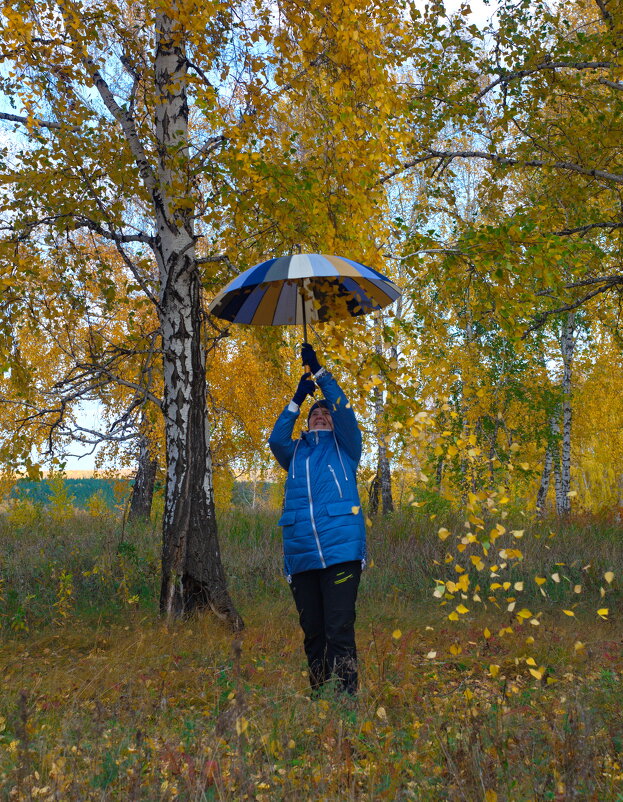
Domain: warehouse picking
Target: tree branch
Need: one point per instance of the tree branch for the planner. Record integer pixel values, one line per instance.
(209, 146)
(570, 307)
(205, 260)
(507, 77)
(191, 65)
(424, 250)
(126, 121)
(611, 84)
(589, 227)
(587, 282)
(504, 161)
(605, 13)
(130, 264)
(124, 118)
(93, 225)
(14, 118)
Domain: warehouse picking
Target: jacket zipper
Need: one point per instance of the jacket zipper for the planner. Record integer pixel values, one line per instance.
(339, 489)
(340, 456)
(311, 514)
(294, 457)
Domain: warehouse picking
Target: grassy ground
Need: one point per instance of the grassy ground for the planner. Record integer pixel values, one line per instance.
(101, 701)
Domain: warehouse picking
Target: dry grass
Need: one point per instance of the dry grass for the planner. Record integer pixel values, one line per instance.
(110, 704)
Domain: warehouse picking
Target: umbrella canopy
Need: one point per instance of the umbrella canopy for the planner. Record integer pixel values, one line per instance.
(304, 287)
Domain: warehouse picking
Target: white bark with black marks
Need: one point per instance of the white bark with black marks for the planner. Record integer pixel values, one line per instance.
(192, 570)
(144, 482)
(563, 479)
(553, 447)
(381, 489)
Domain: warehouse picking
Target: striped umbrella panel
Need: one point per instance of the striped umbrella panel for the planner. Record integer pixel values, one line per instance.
(273, 292)
(302, 265)
(280, 303)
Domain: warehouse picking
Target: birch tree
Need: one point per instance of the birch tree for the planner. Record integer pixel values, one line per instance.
(102, 92)
(137, 125)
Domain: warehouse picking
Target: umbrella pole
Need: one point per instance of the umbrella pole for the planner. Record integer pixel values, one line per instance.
(304, 319)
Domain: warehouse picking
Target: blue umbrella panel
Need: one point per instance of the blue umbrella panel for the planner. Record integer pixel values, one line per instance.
(295, 289)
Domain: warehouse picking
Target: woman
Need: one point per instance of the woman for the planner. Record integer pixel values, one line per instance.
(323, 526)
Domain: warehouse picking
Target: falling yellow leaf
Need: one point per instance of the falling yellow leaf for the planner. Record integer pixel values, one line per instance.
(494, 670)
(367, 727)
(431, 655)
(518, 585)
(462, 609)
(556, 577)
(603, 612)
(530, 661)
(487, 633)
(569, 612)
(609, 576)
(540, 580)
(453, 616)
(577, 588)
(396, 634)
(517, 532)
(578, 646)
(537, 673)
(525, 613)
(490, 796)
(443, 533)
(381, 713)
(355, 510)
(572, 494)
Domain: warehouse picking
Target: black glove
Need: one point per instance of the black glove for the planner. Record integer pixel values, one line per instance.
(306, 387)
(308, 355)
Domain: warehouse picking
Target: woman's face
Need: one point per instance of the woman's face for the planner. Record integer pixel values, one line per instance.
(321, 419)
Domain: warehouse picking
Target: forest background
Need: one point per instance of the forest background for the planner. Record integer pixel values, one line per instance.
(150, 153)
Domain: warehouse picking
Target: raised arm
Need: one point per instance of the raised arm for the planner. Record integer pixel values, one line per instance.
(280, 441)
(345, 424)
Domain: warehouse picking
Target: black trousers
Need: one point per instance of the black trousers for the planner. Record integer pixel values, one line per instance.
(325, 600)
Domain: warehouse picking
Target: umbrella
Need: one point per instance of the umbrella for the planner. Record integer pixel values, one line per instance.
(292, 290)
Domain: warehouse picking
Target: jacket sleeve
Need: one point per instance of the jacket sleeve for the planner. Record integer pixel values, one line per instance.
(346, 429)
(280, 441)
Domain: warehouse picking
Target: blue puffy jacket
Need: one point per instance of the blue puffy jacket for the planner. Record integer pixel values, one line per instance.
(322, 519)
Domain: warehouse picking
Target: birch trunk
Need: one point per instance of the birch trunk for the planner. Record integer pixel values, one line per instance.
(552, 448)
(144, 481)
(383, 470)
(563, 485)
(192, 571)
